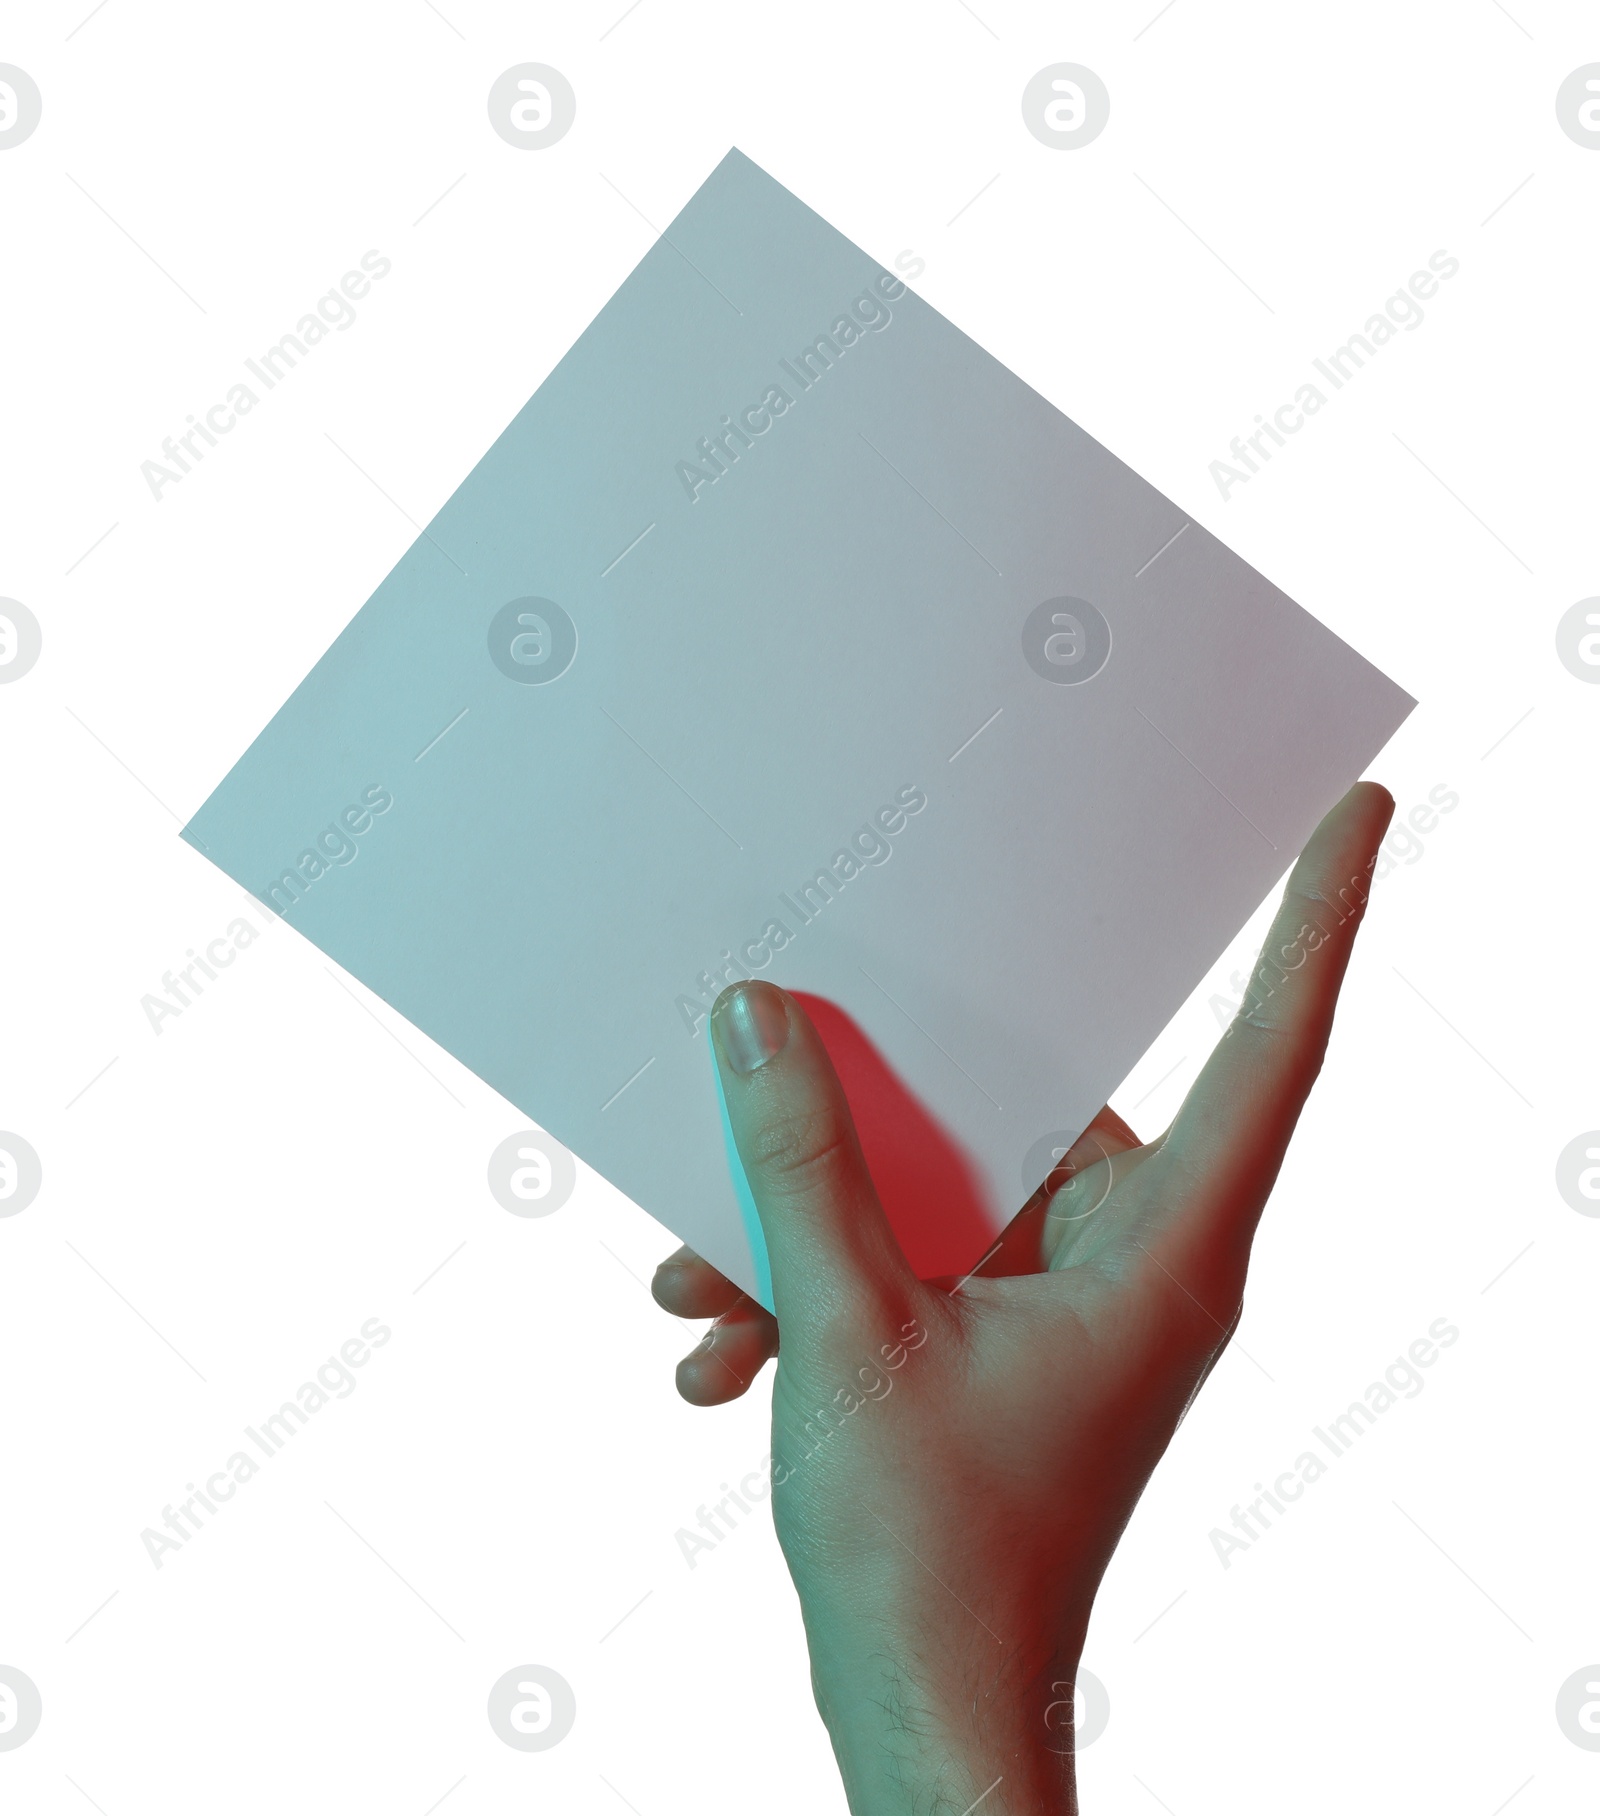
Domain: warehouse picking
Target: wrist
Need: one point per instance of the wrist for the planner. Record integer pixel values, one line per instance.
(921, 1724)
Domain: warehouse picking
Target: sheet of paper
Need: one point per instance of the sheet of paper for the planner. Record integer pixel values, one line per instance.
(784, 632)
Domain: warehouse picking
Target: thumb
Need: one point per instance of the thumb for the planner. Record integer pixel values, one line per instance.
(835, 1260)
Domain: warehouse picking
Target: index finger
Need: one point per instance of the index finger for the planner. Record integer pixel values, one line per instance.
(1229, 1138)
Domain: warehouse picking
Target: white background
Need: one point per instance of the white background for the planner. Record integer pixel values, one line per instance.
(228, 1203)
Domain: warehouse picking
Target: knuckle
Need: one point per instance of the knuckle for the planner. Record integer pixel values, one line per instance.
(1284, 1037)
(1328, 903)
(1256, 1018)
(801, 1151)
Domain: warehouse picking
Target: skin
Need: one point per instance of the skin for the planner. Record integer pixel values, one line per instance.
(990, 1437)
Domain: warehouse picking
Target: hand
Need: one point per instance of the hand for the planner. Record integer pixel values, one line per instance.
(954, 1461)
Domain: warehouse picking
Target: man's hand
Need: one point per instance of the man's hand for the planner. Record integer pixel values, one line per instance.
(954, 1461)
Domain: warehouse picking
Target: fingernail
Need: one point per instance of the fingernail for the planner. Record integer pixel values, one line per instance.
(751, 1023)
